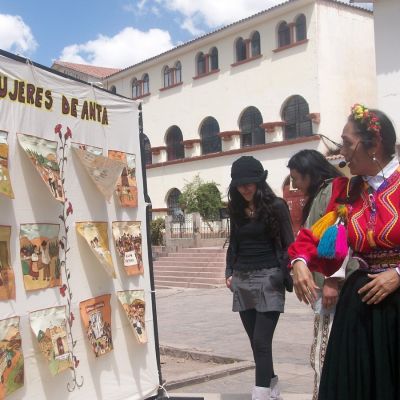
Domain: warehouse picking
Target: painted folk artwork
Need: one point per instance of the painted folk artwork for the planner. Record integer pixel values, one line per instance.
(7, 279)
(97, 151)
(133, 304)
(96, 319)
(96, 236)
(39, 254)
(126, 189)
(50, 329)
(5, 182)
(43, 155)
(11, 357)
(102, 170)
(128, 242)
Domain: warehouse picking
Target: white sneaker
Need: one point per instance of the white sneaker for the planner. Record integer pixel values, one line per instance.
(261, 393)
(275, 392)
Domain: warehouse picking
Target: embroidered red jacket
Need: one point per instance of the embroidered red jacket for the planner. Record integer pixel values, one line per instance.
(385, 224)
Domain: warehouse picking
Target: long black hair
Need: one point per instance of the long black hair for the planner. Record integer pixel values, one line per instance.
(264, 208)
(313, 164)
(368, 139)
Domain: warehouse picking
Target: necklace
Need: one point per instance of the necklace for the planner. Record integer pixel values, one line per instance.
(250, 212)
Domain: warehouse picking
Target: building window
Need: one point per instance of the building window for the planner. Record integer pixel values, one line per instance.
(174, 141)
(113, 89)
(240, 50)
(283, 34)
(146, 84)
(251, 132)
(255, 44)
(148, 158)
(174, 208)
(168, 75)
(213, 59)
(296, 116)
(136, 88)
(201, 64)
(210, 141)
(301, 31)
(178, 72)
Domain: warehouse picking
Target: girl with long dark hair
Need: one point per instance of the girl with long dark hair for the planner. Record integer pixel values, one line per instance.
(256, 268)
(362, 361)
(312, 174)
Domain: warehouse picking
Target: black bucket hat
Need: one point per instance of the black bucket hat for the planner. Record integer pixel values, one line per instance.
(247, 169)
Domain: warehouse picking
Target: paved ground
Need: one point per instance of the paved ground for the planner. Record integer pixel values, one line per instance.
(201, 320)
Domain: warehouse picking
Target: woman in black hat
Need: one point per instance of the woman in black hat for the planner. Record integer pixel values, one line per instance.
(256, 268)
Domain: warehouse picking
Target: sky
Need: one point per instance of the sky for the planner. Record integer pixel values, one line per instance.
(112, 33)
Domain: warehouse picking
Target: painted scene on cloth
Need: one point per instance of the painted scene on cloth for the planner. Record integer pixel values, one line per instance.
(5, 182)
(39, 254)
(11, 357)
(7, 278)
(128, 242)
(133, 304)
(50, 329)
(96, 318)
(43, 155)
(97, 151)
(126, 189)
(102, 170)
(96, 236)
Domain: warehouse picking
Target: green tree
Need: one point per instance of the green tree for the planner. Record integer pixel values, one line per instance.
(201, 197)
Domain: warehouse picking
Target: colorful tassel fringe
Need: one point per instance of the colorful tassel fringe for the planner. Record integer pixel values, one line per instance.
(323, 224)
(341, 246)
(327, 244)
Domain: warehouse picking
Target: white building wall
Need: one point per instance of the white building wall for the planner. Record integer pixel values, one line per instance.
(387, 34)
(322, 70)
(346, 64)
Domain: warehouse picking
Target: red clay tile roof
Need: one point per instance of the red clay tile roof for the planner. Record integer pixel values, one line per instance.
(98, 72)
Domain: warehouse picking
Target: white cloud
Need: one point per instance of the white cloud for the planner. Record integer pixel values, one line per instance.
(126, 48)
(213, 13)
(16, 36)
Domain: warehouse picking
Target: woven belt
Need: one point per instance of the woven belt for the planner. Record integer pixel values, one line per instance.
(378, 261)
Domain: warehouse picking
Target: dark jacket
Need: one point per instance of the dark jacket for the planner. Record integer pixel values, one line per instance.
(281, 243)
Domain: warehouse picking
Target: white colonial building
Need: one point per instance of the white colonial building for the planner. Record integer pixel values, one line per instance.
(262, 86)
(387, 32)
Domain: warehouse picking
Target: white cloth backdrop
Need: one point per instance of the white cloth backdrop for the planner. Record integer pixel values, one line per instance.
(130, 370)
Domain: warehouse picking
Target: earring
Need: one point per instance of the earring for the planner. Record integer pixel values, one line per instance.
(373, 157)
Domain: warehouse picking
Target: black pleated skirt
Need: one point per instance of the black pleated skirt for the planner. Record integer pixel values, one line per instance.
(363, 356)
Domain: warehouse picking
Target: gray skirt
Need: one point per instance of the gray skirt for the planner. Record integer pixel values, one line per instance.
(260, 289)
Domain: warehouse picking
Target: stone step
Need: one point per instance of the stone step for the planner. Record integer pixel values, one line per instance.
(177, 268)
(196, 279)
(187, 263)
(168, 284)
(221, 256)
(189, 275)
(203, 250)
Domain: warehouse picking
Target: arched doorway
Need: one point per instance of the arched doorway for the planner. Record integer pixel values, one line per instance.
(295, 200)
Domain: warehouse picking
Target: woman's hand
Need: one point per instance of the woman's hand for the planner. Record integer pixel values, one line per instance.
(304, 285)
(330, 292)
(380, 286)
(229, 282)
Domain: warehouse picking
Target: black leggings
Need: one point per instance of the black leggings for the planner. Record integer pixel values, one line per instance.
(260, 327)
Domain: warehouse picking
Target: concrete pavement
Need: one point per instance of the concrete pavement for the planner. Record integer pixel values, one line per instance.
(201, 320)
